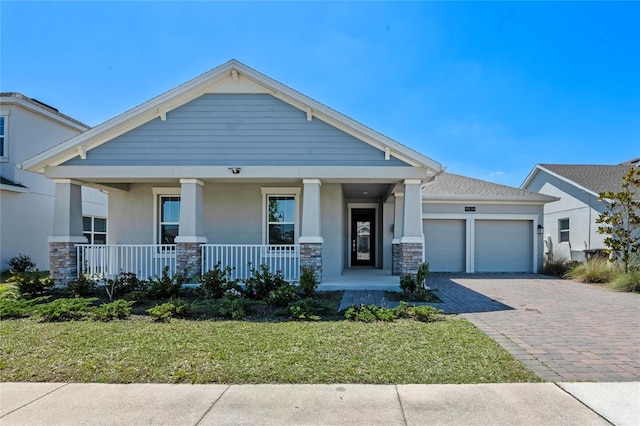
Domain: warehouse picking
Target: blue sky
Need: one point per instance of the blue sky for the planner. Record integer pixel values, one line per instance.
(487, 89)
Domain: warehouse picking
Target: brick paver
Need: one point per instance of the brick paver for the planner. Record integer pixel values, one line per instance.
(562, 330)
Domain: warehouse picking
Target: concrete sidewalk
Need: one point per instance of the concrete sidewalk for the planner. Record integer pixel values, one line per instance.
(162, 404)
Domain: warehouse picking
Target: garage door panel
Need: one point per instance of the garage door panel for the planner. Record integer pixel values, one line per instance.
(503, 246)
(445, 244)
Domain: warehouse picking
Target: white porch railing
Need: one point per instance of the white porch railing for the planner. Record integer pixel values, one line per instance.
(145, 260)
(243, 258)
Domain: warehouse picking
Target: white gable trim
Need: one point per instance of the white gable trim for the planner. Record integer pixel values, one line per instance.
(537, 169)
(231, 77)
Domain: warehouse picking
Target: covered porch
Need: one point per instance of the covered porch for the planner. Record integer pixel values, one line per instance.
(239, 224)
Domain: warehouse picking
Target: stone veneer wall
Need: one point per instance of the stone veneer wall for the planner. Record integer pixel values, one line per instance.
(188, 257)
(406, 258)
(63, 262)
(311, 254)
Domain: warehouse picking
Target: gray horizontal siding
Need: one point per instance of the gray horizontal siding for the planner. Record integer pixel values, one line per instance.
(236, 129)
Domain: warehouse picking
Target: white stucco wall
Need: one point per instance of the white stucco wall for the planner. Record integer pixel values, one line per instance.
(26, 218)
(580, 207)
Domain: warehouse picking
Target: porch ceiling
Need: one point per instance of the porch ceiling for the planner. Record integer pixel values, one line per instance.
(365, 190)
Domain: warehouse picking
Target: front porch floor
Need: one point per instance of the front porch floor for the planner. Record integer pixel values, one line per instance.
(362, 279)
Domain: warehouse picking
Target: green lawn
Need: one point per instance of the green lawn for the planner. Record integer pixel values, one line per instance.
(187, 351)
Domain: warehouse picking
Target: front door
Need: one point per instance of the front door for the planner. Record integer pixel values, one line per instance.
(363, 238)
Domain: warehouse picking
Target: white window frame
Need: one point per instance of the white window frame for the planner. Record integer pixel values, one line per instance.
(5, 136)
(566, 230)
(92, 232)
(158, 193)
(280, 192)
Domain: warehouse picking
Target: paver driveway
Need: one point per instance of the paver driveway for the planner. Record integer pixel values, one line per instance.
(562, 330)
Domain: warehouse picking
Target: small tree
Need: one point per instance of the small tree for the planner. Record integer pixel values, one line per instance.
(621, 221)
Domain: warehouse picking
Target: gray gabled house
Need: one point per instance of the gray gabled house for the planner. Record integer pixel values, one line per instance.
(571, 231)
(234, 168)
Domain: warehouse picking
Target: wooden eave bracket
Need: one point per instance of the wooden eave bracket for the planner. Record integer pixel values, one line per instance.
(387, 153)
(82, 152)
(234, 76)
(162, 113)
(309, 112)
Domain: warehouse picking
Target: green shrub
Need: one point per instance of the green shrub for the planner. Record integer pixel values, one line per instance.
(308, 280)
(283, 295)
(126, 284)
(19, 308)
(262, 282)
(594, 270)
(162, 313)
(118, 309)
(401, 311)
(421, 276)
(9, 292)
(21, 263)
(166, 286)
(306, 309)
(408, 283)
(83, 286)
(555, 265)
(31, 282)
(217, 282)
(235, 309)
(369, 313)
(629, 281)
(427, 313)
(66, 309)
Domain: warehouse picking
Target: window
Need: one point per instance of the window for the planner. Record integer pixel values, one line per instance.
(563, 229)
(95, 229)
(169, 219)
(281, 215)
(3, 137)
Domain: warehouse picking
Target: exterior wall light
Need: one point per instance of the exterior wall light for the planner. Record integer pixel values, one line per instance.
(540, 229)
(235, 170)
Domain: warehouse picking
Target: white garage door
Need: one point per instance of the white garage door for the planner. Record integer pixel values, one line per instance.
(444, 244)
(503, 246)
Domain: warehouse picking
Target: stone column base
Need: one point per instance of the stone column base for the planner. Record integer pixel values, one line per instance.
(63, 262)
(406, 258)
(189, 259)
(311, 254)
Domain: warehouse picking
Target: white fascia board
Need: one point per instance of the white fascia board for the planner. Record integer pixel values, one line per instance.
(13, 188)
(332, 173)
(128, 120)
(460, 199)
(341, 121)
(206, 83)
(43, 112)
(539, 168)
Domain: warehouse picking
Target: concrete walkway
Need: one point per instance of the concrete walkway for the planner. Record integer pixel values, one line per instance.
(562, 330)
(347, 404)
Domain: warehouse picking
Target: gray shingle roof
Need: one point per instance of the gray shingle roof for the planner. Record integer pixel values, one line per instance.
(596, 178)
(449, 185)
(41, 105)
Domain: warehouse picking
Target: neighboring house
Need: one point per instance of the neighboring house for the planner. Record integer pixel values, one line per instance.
(28, 127)
(571, 231)
(233, 167)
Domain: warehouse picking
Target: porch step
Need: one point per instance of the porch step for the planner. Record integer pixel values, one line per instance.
(365, 297)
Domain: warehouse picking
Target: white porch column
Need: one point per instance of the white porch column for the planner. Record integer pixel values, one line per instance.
(398, 217)
(310, 235)
(191, 229)
(408, 250)
(67, 231)
(310, 231)
(412, 214)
